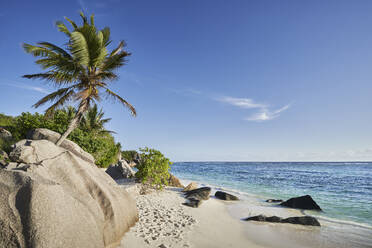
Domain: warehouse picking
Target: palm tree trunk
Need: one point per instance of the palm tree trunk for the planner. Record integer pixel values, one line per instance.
(73, 123)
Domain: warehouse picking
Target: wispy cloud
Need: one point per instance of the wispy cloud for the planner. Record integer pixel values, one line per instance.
(242, 102)
(264, 113)
(26, 87)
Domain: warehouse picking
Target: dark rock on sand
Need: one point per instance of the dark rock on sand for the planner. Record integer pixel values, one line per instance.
(300, 220)
(274, 200)
(53, 198)
(121, 170)
(302, 202)
(225, 196)
(173, 181)
(199, 194)
(192, 202)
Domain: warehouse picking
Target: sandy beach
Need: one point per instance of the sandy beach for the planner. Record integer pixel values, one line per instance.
(165, 222)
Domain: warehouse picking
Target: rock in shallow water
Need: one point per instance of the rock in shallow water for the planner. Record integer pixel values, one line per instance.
(300, 220)
(173, 181)
(302, 202)
(53, 198)
(191, 202)
(225, 196)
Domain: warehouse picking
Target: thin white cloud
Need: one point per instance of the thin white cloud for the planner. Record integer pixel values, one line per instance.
(242, 102)
(266, 115)
(26, 87)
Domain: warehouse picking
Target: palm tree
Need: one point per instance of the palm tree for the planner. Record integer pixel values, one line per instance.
(92, 121)
(81, 71)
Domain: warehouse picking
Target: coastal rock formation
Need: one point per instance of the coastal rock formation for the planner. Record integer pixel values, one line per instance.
(121, 170)
(53, 198)
(225, 196)
(5, 134)
(300, 220)
(192, 202)
(302, 202)
(273, 200)
(173, 181)
(4, 159)
(195, 197)
(199, 194)
(46, 134)
(191, 186)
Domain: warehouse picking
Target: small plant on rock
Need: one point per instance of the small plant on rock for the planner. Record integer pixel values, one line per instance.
(153, 168)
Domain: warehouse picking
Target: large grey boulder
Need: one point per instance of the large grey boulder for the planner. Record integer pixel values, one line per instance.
(53, 198)
(121, 170)
(46, 134)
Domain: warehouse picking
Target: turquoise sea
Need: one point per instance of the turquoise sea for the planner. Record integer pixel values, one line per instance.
(343, 190)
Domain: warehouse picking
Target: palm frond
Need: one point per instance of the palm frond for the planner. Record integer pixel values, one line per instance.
(79, 48)
(118, 49)
(62, 28)
(55, 48)
(124, 102)
(38, 51)
(51, 97)
(106, 36)
(72, 23)
(61, 101)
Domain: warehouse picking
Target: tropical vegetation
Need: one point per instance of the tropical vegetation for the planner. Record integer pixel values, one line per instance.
(153, 168)
(81, 70)
(95, 139)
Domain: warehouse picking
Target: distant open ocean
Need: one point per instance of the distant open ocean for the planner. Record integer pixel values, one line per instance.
(342, 190)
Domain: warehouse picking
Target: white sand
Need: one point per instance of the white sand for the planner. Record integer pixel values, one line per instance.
(165, 222)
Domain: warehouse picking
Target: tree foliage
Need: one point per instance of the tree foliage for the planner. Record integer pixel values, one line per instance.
(153, 168)
(101, 145)
(81, 70)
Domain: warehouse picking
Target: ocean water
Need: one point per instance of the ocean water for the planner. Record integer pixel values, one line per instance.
(342, 190)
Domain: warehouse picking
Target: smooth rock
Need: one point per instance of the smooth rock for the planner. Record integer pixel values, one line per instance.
(53, 198)
(300, 220)
(120, 171)
(199, 194)
(192, 202)
(173, 181)
(46, 134)
(302, 202)
(191, 186)
(225, 196)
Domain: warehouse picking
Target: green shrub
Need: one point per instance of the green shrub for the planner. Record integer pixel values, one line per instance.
(153, 168)
(129, 155)
(101, 145)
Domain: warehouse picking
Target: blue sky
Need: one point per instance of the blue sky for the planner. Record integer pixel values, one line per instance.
(219, 80)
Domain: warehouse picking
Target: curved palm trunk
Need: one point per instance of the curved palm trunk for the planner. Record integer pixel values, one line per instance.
(73, 123)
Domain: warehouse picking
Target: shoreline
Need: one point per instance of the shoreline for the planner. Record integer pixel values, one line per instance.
(221, 222)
